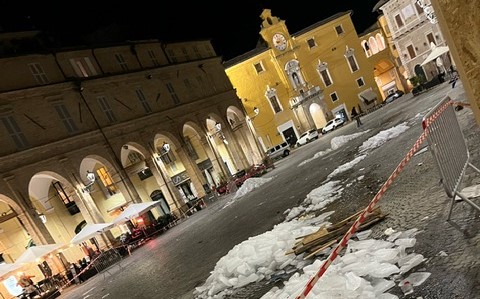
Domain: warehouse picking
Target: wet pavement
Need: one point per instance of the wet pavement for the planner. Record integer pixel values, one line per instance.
(173, 264)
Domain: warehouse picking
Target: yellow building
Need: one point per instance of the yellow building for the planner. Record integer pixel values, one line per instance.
(300, 81)
(388, 71)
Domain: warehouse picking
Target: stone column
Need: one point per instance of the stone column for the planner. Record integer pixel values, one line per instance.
(28, 216)
(459, 23)
(193, 172)
(250, 141)
(214, 156)
(171, 193)
(235, 150)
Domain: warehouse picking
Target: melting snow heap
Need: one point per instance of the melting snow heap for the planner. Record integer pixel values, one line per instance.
(367, 269)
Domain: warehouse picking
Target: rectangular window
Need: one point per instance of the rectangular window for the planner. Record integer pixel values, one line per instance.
(71, 205)
(407, 12)
(14, 131)
(411, 51)
(399, 21)
(121, 61)
(431, 39)
(190, 149)
(135, 157)
(327, 80)
(259, 67)
(65, 117)
(105, 106)
(185, 54)
(275, 105)
(187, 83)
(352, 62)
(153, 58)
(197, 52)
(143, 100)
(173, 94)
(339, 29)
(311, 43)
(107, 180)
(419, 8)
(172, 56)
(360, 82)
(334, 96)
(83, 67)
(38, 73)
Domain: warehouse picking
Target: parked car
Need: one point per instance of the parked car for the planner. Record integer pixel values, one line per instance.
(307, 137)
(393, 96)
(279, 151)
(333, 124)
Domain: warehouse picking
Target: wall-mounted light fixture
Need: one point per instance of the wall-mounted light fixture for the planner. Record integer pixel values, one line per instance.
(91, 180)
(218, 132)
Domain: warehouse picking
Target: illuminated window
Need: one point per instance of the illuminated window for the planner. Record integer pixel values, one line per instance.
(107, 180)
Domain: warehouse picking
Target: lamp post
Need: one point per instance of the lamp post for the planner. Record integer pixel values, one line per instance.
(157, 157)
(91, 180)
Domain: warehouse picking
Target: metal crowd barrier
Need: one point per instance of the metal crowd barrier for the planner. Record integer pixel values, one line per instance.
(107, 260)
(449, 149)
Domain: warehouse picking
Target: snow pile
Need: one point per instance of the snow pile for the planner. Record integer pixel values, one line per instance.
(257, 258)
(317, 199)
(346, 166)
(249, 185)
(383, 136)
(316, 156)
(367, 270)
(339, 141)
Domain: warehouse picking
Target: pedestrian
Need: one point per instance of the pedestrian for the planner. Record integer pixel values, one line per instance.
(356, 116)
(29, 287)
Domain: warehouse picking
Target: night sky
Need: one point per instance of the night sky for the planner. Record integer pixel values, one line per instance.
(232, 28)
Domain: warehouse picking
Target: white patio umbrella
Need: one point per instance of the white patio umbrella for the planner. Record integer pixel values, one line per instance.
(7, 268)
(436, 52)
(91, 230)
(35, 253)
(135, 210)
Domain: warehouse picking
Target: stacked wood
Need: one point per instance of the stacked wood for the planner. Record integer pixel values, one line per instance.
(326, 236)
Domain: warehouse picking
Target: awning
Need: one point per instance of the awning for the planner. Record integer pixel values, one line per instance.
(436, 51)
(368, 96)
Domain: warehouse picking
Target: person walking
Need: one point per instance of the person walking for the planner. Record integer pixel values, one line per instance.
(356, 116)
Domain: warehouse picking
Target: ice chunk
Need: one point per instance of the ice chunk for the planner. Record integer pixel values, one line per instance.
(407, 242)
(387, 296)
(417, 278)
(415, 261)
(353, 281)
(381, 285)
(380, 270)
(364, 234)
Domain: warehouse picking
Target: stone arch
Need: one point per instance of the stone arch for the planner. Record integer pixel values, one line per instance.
(13, 204)
(318, 115)
(40, 185)
(366, 48)
(130, 147)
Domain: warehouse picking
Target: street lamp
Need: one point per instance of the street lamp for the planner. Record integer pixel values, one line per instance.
(91, 180)
(218, 131)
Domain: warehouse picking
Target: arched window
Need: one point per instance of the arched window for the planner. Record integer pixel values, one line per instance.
(373, 45)
(366, 48)
(380, 41)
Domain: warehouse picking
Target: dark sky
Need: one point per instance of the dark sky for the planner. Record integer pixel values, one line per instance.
(233, 28)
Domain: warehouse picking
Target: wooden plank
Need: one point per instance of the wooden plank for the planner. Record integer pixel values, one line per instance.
(320, 249)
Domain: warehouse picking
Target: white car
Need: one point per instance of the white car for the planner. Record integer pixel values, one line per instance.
(333, 124)
(307, 137)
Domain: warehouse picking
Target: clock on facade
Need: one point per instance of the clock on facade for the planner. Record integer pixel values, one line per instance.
(279, 41)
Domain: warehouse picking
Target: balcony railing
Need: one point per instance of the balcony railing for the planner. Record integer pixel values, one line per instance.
(305, 96)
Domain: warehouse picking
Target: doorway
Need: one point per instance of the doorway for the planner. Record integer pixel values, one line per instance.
(290, 137)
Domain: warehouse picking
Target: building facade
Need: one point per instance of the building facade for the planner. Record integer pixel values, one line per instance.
(414, 35)
(151, 121)
(295, 82)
